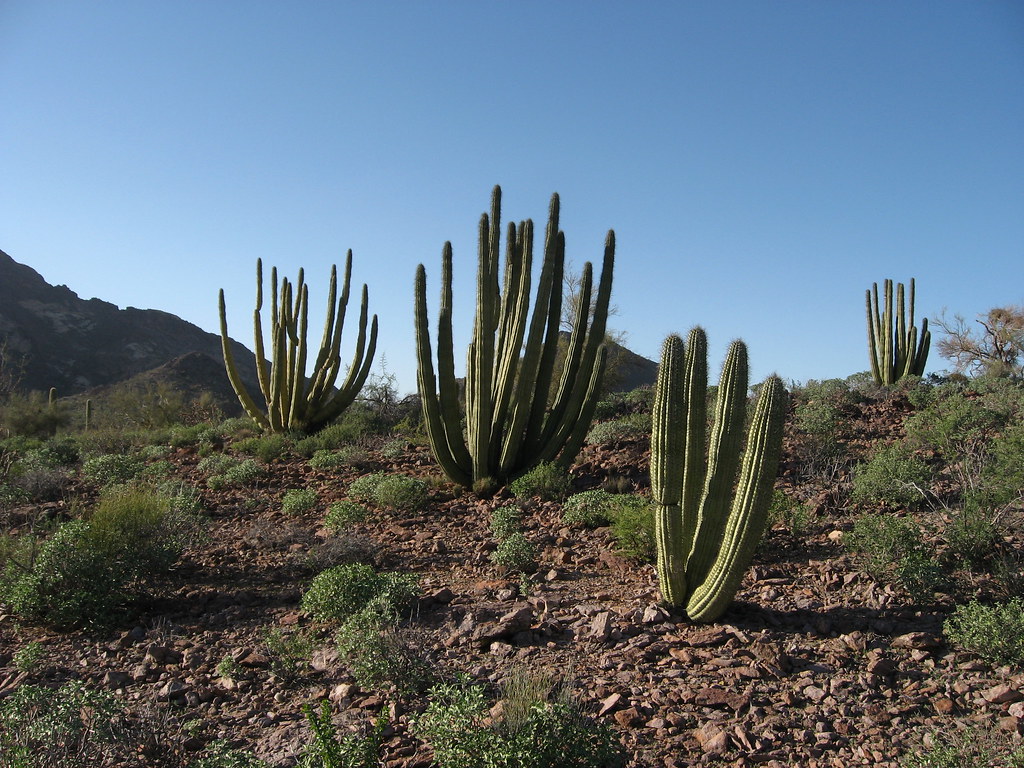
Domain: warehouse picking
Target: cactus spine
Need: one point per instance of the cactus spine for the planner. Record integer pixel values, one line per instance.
(294, 402)
(707, 523)
(896, 350)
(510, 368)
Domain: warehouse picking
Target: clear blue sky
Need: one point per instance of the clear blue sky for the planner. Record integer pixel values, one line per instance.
(761, 163)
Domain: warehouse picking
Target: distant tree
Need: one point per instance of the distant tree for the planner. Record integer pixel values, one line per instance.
(12, 367)
(996, 350)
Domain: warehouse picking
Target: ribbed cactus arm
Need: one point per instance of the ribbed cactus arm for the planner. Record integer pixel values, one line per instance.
(873, 335)
(695, 399)
(724, 449)
(436, 426)
(748, 517)
(668, 449)
(232, 371)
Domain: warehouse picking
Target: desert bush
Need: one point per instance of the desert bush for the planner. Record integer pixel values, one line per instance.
(217, 464)
(894, 476)
(505, 521)
(351, 751)
(378, 654)
(220, 754)
(327, 459)
(394, 449)
(298, 501)
(266, 448)
(640, 399)
(244, 474)
(28, 657)
(112, 468)
(85, 570)
(548, 733)
(238, 427)
(516, 552)
(994, 632)
(40, 483)
(636, 426)
(402, 493)
(589, 509)
(342, 513)
(786, 511)
(339, 592)
(548, 481)
(287, 653)
(364, 488)
(32, 415)
(632, 527)
(891, 548)
(70, 727)
(821, 414)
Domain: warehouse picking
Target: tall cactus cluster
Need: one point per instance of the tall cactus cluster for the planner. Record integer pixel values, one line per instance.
(510, 426)
(708, 522)
(294, 402)
(896, 349)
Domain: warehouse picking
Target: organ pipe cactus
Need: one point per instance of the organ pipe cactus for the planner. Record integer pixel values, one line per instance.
(510, 426)
(294, 402)
(896, 350)
(708, 523)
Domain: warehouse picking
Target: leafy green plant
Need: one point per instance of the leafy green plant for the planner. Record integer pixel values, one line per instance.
(635, 426)
(972, 747)
(245, 474)
(378, 654)
(330, 751)
(288, 653)
(402, 493)
(894, 476)
(217, 464)
(506, 520)
(788, 512)
(633, 528)
(541, 733)
(220, 754)
(516, 552)
(298, 501)
(364, 488)
(71, 727)
(266, 448)
(393, 449)
(994, 632)
(112, 468)
(890, 548)
(328, 459)
(28, 657)
(546, 480)
(339, 592)
(589, 509)
(342, 513)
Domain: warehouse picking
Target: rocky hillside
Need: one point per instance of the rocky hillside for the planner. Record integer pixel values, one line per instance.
(73, 344)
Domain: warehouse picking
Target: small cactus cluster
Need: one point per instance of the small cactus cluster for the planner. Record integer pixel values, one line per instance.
(896, 350)
(294, 402)
(510, 426)
(708, 522)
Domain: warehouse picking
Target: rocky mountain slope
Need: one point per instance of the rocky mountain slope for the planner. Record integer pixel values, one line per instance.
(61, 340)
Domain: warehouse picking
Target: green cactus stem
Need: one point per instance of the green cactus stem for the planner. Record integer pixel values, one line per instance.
(510, 426)
(895, 348)
(707, 524)
(88, 415)
(293, 401)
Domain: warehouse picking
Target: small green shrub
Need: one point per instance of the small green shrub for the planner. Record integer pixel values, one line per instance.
(220, 754)
(28, 657)
(238, 427)
(343, 513)
(351, 751)
(894, 476)
(325, 459)
(636, 426)
(288, 653)
(377, 653)
(505, 521)
(402, 493)
(71, 727)
(339, 592)
(890, 548)
(394, 449)
(217, 464)
(246, 474)
(298, 501)
(633, 528)
(788, 512)
(973, 747)
(112, 469)
(516, 552)
(266, 448)
(365, 488)
(548, 481)
(548, 733)
(994, 632)
(589, 509)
